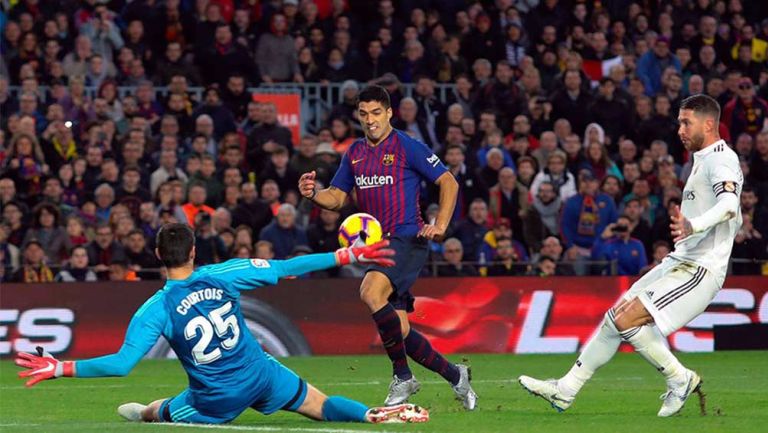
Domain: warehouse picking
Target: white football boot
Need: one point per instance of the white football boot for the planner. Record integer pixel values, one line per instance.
(131, 411)
(677, 394)
(548, 390)
(401, 390)
(400, 414)
(463, 389)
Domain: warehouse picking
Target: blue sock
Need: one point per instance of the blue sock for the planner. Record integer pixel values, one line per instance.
(343, 409)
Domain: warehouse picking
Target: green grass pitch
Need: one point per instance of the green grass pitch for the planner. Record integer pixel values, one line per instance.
(623, 396)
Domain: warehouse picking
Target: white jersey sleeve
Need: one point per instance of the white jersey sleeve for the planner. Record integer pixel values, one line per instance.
(711, 204)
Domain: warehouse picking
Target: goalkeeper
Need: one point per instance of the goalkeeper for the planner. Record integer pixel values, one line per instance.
(198, 312)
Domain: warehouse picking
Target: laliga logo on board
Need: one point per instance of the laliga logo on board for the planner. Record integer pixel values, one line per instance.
(365, 182)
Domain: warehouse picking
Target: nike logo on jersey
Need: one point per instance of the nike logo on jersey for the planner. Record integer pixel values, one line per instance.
(355, 161)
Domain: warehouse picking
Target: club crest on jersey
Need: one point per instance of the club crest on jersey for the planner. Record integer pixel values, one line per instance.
(388, 159)
(729, 186)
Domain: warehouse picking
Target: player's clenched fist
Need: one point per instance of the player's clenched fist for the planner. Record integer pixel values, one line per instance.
(307, 184)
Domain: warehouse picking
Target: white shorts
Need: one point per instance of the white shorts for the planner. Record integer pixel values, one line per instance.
(674, 293)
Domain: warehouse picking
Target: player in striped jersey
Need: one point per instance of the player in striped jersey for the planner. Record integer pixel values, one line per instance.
(680, 288)
(198, 312)
(385, 169)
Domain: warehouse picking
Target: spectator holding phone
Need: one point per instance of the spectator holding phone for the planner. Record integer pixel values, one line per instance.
(615, 243)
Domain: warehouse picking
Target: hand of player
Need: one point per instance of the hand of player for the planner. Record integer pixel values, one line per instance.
(307, 184)
(680, 226)
(42, 366)
(432, 232)
(376, 254)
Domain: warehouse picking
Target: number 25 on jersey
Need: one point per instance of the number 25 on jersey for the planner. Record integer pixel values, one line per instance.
(215, 321)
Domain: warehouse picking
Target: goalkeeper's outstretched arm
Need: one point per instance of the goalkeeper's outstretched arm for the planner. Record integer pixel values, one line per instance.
(145, 328)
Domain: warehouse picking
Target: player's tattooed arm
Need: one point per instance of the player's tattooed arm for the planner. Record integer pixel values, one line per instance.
(681, 227)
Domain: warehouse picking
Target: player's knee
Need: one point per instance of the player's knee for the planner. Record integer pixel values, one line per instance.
(633, 315)
(373, 296)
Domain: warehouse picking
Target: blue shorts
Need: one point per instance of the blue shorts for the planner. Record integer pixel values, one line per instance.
(284, 390)
(411, 253)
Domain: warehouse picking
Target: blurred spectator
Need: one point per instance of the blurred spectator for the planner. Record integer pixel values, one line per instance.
(196, 204)
(471, 186)
(508, 201)
(323, 235)
(264, 250)
(542, 218)
(251, 211)
(119, 271)
(225, 57)
(454, 267)
(502, 228)
(472, 230)
(506, 261)
(168, 169)
(283, 232)
(749, 246)
(264, 139)
(555, 173)
(746, 112)
(140, 259)
(585, 217)
(611, 112)
(47, 231)
(103, 250)
(223, 119)
(651, 65)
(571, 101)
(641, 191)
(750, 205)
(615, 243)
(207, 176)
(660, 250)
(598, 162)
(77, 268)
(639, 228)
(34, 268)
(209, 248)
(25, 164)
(545, 267)
(9, 253)
(13, 215)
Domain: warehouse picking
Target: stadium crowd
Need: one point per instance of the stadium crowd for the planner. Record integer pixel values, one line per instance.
(560, 126)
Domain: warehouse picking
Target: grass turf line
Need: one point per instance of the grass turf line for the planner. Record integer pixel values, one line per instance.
(624, 393)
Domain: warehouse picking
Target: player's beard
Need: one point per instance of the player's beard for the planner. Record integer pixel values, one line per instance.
(697, 140)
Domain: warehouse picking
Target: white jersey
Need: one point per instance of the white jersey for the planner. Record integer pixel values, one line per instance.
(715, 171)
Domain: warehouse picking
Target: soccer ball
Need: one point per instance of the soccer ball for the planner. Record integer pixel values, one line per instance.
(350, 229)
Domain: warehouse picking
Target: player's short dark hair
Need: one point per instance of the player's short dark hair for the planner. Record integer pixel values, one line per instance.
(374, 93)
(174, 243)
(702, 104)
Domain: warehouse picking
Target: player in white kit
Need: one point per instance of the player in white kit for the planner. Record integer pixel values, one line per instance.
(686, 281)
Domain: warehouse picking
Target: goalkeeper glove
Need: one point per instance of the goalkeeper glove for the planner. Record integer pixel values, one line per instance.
(376, 254)
(43, 366)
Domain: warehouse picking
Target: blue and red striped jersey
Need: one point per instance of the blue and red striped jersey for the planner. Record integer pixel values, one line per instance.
(387, 178)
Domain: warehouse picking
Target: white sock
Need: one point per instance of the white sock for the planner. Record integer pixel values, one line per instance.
(596, 353)
(650, 345)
